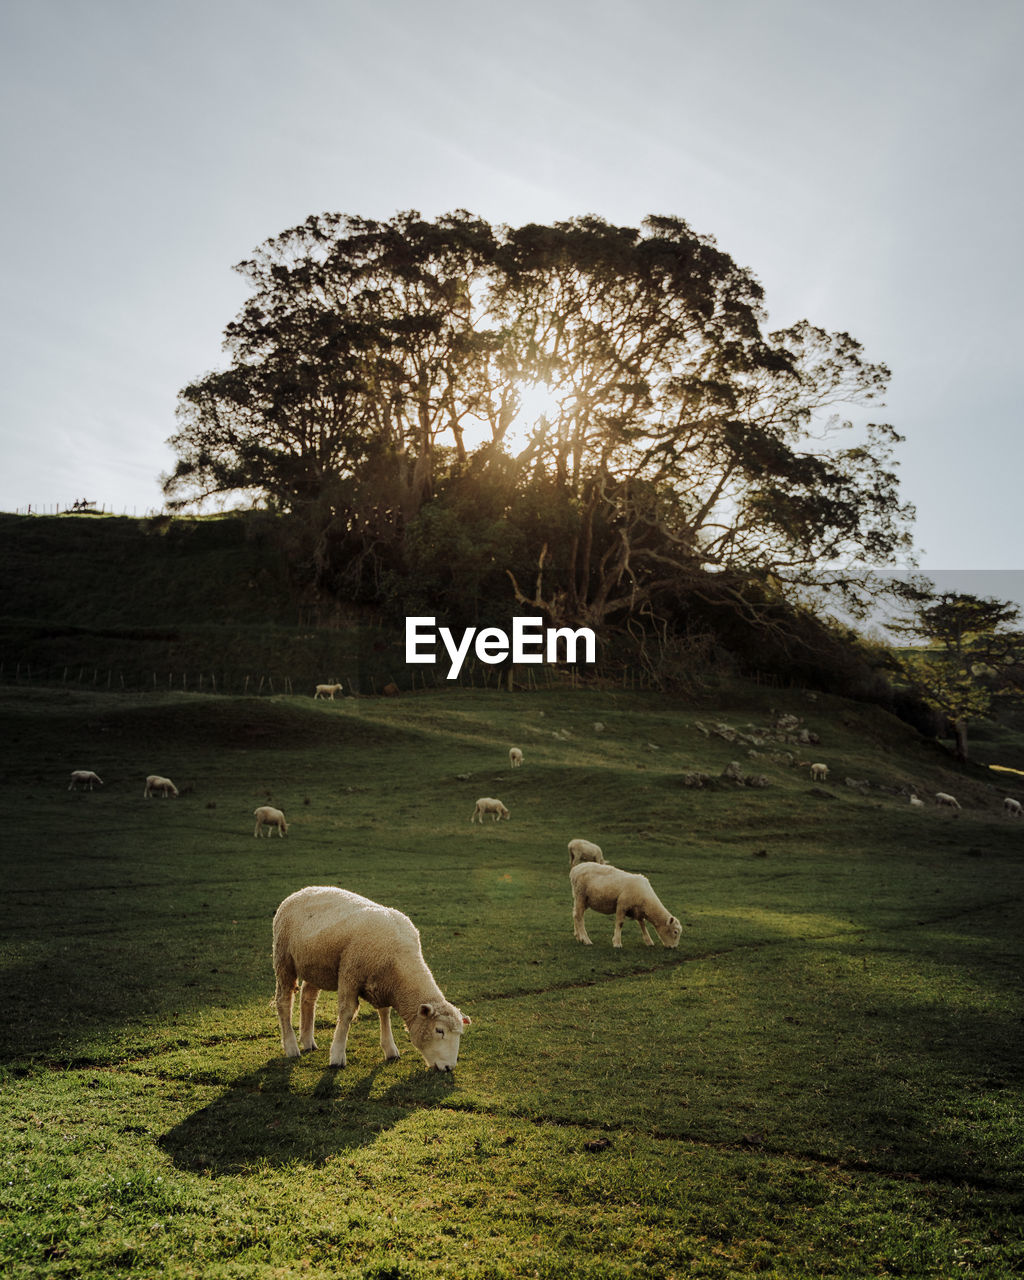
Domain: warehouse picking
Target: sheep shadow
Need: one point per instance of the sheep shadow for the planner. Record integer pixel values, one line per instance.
(261, 1119)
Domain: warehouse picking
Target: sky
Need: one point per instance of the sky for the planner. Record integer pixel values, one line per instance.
(862, 160)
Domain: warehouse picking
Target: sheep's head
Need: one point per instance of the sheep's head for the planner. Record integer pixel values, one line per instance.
(670, 932)
(436, 1031)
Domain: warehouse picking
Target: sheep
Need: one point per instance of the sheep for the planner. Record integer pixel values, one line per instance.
(515, 757)
(608, 890)
(157, 785)
(334, 940)
(819, 772)
(584, 851)
(268, 817)
(1012, 808)
(327, 691)
(486, 804)
(84, 776)
(916, 802)
(944, 798)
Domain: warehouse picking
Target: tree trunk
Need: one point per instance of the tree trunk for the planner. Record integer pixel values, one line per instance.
(960, 733)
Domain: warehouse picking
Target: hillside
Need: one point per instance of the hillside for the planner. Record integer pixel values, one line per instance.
(176, 603)
(823, 1078)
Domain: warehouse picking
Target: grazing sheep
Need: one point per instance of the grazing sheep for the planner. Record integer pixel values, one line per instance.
(1012, 808)
(269, 817)
(606, 889)
(333, 940)
(819, 772)
(584, 851)
(156, 785)
(84, 776)
(916, 802)
(515, 757)
(944, 798)
(486, 804)
(327, 691)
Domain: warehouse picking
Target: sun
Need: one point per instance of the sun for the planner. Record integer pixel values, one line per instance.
(538, 402)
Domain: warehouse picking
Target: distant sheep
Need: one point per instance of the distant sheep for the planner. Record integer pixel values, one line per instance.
(916, 802)
(333, 940)
(327, 691)
(606, 889)
(84, 776)
(155, 785)
(515, 757)
(819, 772)
(584, 851)
(944, 798)
(1012, 808)
(266, 816)
(487, 804)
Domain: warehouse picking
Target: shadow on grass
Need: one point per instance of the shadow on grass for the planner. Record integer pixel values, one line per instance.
(262, 1119)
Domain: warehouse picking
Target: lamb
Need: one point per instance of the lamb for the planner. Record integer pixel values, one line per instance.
(608, 890)
(1012, 808)
(269, 817)
(916, 802)
(584, 851)
(944, 798)
(515, 757)
(334, 940)
(819, 772)
(486, 804)
(155, 785)
(84, 776)
(327, 691)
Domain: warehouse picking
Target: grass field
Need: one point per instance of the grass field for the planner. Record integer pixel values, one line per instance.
(823, 1080)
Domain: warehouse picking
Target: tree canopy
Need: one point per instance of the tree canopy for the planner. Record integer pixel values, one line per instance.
(605, 400)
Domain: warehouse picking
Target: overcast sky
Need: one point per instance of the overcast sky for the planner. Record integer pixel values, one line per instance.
(863, 160)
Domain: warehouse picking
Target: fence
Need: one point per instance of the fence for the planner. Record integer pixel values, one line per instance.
(474, 675)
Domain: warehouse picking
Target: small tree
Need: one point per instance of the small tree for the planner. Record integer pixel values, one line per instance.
(970, 651)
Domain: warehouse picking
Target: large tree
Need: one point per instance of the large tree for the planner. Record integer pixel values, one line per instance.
(375, 362)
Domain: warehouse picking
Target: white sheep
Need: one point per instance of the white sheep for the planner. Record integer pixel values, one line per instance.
(327, 691)
(584, 851)
(333, 940)
(515, 757)
(819, 772)
(84, 776)
(266, 816)
(606, 889)
(916, 802)
(1012, 808)
(944, 798)
(487, 804)
(155, 785)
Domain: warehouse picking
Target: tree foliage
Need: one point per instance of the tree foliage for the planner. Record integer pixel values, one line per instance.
(970, 660)
(380, 370)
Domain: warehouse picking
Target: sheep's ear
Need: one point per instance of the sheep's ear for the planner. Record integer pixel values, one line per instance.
(427, 1010)
(466, 1021)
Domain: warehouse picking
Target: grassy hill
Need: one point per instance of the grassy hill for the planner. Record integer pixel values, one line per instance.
(120, 603)
(823, 1079)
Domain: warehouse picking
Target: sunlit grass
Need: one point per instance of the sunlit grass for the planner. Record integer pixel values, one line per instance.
(823, 1079)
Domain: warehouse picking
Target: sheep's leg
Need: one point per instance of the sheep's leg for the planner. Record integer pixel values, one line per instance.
(620, 915)
(648, 940)
(387, 1038)
(307, 1015)
(283, 999)
(256, 830)
(348, 1005)
(578, 927)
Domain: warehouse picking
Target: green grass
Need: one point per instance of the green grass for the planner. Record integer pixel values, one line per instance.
(824, 1079)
